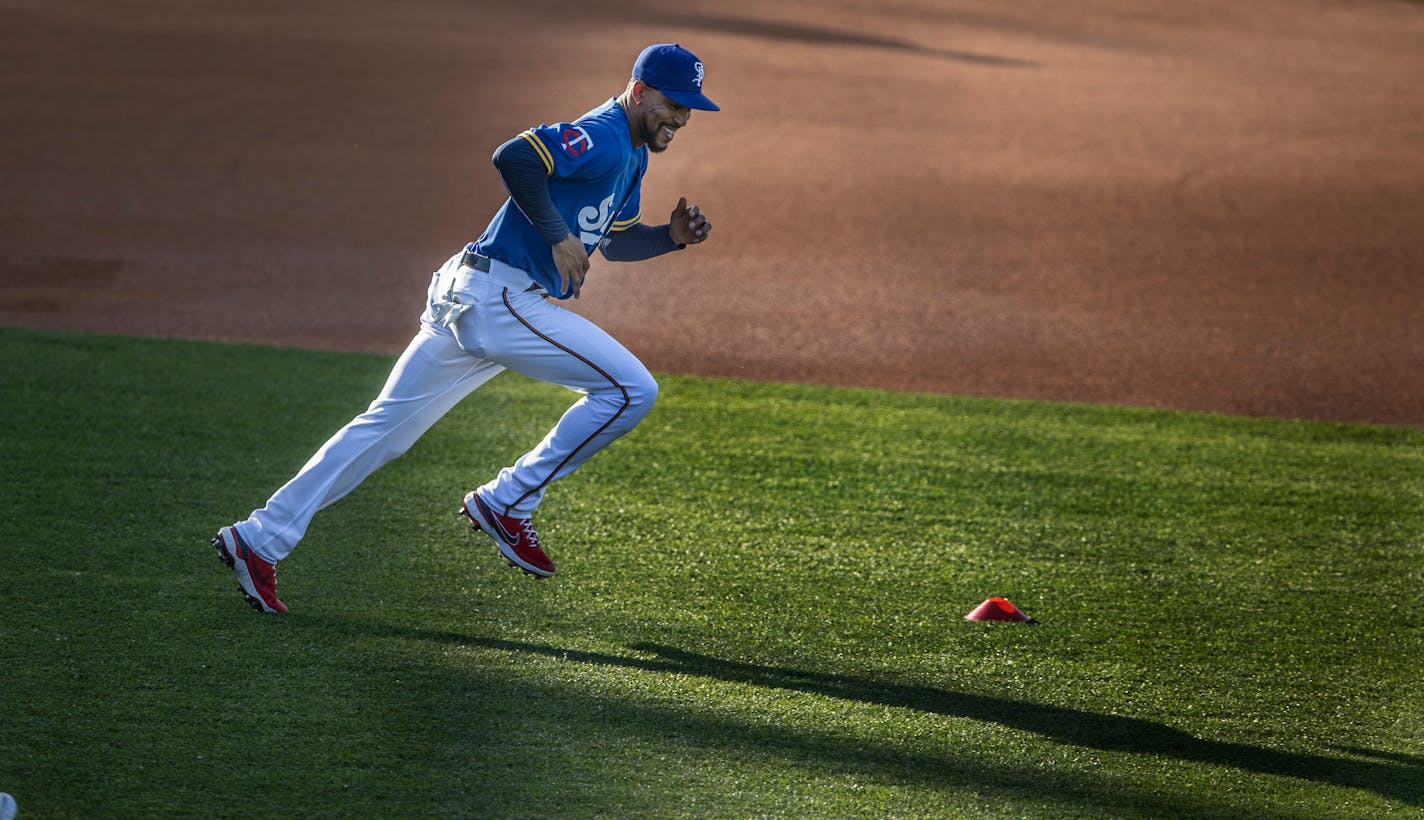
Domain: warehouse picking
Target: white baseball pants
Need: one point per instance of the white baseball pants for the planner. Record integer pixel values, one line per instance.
(476, 324)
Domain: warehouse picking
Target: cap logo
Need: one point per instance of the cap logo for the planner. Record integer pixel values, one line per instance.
(698, 78)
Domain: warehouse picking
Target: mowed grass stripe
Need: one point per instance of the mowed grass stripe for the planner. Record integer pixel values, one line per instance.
(758, 610)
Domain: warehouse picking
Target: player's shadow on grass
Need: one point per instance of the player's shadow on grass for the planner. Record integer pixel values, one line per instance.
(1401, 778)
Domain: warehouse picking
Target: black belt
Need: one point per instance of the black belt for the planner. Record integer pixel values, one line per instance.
(474, 260)
(470, 259)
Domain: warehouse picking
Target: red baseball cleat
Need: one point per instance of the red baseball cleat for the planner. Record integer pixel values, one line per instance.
(515, 537)
(256, 579)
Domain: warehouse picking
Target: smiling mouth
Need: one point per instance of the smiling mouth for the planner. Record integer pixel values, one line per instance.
(668, 132)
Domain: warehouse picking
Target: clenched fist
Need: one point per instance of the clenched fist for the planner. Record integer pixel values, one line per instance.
(688, 225)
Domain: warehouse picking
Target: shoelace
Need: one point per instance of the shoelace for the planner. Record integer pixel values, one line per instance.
(530, 536)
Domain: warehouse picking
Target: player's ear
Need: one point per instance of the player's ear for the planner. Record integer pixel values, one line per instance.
(639, 89)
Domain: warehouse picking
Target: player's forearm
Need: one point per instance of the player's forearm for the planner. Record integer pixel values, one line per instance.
(638, 242)
(527, 181)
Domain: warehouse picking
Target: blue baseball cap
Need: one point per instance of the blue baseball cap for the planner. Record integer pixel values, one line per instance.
(674, 71)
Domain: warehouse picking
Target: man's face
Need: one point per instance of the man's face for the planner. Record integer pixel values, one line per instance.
(661, 119)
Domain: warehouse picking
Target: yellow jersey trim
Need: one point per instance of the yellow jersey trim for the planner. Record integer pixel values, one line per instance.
(625, 224)
(542, 151)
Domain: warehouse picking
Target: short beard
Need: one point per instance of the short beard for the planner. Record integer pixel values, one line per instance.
(652, 133)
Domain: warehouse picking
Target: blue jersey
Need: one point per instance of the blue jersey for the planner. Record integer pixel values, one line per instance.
(595, 177)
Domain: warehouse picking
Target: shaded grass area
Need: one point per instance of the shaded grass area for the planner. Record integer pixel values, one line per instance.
(758, 610)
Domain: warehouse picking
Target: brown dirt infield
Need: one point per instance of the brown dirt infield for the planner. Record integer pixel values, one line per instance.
(1211, 205)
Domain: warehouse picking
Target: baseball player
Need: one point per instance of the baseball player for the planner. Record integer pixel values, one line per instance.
(573, 187)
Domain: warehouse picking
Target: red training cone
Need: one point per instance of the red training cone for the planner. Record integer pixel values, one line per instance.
(998, 609)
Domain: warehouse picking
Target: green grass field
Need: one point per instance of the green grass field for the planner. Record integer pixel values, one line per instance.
(759, 608)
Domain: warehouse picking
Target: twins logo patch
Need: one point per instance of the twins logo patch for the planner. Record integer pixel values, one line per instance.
(577, 141)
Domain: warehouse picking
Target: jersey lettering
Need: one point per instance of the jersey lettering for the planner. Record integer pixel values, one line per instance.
(592, 221)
